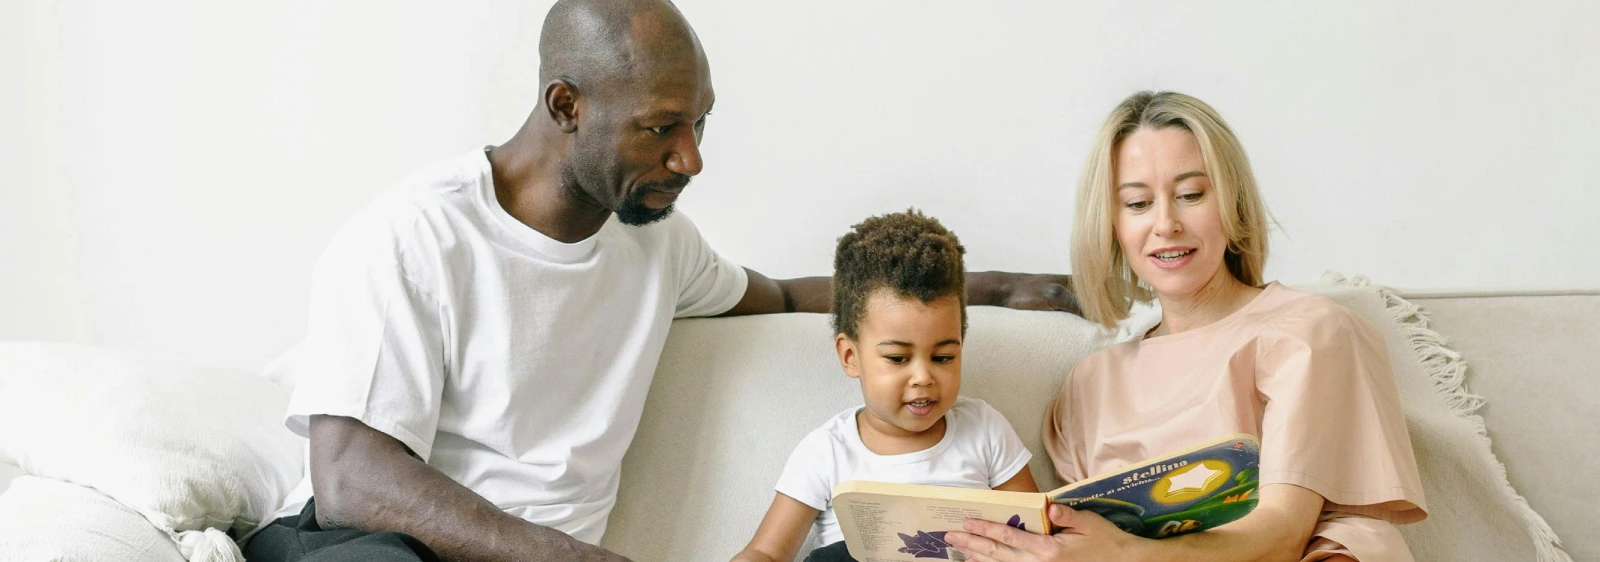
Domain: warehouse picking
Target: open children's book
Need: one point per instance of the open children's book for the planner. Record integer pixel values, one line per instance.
(1183, 492)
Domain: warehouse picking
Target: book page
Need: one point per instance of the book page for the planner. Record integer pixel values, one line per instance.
(884, 528)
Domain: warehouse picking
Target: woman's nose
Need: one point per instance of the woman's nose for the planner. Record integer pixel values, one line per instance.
(1167, 223)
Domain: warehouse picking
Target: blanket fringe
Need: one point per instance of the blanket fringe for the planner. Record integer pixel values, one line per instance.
(205, 545)
(1448, 373)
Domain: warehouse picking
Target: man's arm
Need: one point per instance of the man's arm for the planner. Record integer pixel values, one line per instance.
(1024, 291)
(763, 295)
(365, 479)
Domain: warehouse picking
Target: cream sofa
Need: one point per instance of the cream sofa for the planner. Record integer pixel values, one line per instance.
(732, 396)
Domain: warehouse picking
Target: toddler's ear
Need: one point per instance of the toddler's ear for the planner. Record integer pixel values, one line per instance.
(849, 356)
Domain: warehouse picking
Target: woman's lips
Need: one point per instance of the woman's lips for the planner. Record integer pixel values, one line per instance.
(1173, 264)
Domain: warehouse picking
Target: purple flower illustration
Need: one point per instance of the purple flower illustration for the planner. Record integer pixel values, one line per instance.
(926, 545)
(932, 545)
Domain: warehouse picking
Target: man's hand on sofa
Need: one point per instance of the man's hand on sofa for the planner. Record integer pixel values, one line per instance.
(364, 479)
(1022, 291)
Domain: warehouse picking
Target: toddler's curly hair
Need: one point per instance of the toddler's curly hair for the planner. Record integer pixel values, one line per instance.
(908, 253)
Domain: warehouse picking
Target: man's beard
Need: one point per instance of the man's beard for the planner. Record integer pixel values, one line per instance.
(633, 211)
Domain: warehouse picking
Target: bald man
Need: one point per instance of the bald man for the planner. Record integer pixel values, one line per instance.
(482, 337)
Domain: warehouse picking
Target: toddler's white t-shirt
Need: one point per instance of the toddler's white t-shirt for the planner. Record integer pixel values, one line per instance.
(979, 450)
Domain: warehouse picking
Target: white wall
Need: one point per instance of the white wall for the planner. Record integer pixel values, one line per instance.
(169, 170)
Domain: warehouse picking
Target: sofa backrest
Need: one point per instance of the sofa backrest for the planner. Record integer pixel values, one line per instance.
(1534, 358)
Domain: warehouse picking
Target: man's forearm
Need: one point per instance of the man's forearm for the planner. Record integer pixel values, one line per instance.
(1029, 291)
(387, 489)
(460, 525)
(807, 294)
(985, 288)
(1025, 291)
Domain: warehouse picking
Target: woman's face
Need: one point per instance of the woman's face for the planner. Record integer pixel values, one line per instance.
(1168, 222)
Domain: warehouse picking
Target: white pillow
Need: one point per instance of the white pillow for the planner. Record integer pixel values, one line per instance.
(8, 472)
(188, 447)
(43, 519)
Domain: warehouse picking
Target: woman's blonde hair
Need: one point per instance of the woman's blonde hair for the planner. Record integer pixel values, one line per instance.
(1105, 285)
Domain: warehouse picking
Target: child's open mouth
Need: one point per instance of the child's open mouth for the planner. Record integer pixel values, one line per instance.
(921, 406)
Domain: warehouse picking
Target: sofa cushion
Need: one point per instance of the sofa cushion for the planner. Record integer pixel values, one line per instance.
(188, 447)
(44, 519)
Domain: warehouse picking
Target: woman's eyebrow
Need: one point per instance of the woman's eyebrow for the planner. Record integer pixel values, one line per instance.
(1178, 178)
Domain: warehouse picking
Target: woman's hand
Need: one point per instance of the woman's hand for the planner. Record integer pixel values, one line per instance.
(1276, 530)
(1085, 535)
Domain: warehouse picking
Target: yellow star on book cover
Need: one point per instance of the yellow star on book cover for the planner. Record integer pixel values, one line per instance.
(1190, 482)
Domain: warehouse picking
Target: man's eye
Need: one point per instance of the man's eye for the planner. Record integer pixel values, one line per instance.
(662, 130)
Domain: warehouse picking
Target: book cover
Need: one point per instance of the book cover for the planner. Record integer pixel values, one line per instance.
(1180, 493)
(1183, 492)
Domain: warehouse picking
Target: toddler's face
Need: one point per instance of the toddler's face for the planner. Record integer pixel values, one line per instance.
(908, 358)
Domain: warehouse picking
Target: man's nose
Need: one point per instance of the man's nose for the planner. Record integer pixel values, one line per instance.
(685, 156)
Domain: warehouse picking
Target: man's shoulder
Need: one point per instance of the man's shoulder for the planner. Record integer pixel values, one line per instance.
(405, 223)
(452, 182)
(420, 197)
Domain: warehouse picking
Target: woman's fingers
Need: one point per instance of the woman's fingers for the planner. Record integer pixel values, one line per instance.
(1062, 516)
(988, 541)
(977, 548)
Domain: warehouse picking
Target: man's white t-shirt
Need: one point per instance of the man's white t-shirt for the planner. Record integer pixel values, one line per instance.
(979, 450)
(513, 363)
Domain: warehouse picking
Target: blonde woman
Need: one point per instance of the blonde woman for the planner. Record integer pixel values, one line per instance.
(1168, 210)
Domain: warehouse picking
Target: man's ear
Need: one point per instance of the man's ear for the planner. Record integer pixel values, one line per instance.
(849, 357)
(561, 101)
